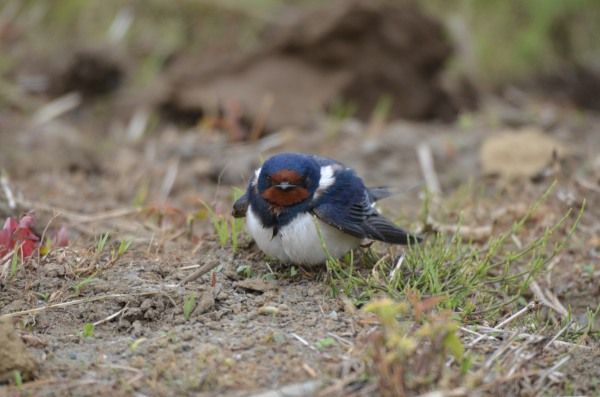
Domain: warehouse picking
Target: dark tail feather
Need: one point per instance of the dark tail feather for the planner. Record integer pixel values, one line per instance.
(403, 238)
(413, 239)
(380, 228)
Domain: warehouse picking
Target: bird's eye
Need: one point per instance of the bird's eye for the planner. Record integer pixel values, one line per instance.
(269, 180)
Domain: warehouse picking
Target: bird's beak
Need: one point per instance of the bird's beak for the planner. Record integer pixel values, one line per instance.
(285, 186)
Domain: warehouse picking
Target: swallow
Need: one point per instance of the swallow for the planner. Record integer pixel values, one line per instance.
(303, 208)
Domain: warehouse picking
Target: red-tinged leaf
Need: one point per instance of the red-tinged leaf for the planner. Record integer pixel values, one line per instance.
(23, 234)
(19, 232)
(62, 237)
(5, 240)
(27, 222)
(10, 225)
(28, 247)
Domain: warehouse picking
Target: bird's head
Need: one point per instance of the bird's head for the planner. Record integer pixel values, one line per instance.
(288, 179)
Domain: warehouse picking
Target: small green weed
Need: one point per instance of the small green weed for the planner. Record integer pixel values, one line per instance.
(14, 263)
(136, 343)
(18, 378)
(121, 249)
(293, 271)
(324, 343)
(43, 296)
(245, 271)
(88, 330)
(189, 304)
(411, 348)
(101, 243)
(82, 284)
(226, 227)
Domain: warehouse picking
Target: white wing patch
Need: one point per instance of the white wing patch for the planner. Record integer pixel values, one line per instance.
(327, 179)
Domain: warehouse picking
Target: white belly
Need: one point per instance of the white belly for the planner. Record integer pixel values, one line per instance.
(298, 242)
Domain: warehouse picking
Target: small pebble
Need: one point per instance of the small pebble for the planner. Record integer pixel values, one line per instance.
(268, 310)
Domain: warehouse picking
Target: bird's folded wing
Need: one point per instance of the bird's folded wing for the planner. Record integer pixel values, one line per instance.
(361, 220)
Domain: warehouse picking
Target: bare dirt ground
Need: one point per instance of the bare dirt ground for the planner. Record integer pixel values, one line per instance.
(258, 326)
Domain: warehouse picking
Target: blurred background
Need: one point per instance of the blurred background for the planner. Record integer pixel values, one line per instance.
(208, 82)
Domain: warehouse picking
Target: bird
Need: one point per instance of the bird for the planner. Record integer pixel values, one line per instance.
(303, 209)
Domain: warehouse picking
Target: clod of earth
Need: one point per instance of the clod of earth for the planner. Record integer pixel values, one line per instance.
(519, 154)
(358, 51)
(14, 357)
(91, 73)
(255, 284)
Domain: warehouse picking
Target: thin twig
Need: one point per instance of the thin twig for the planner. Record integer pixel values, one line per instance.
(114, 315)
(518, 314)
(57, 107)
(139, 374)
(482, 336)
(74, 302)
(584, 183)
(5, 263)
(294, 390)
(427, 167)
(550, 370)
(559, 333)
(207, 267)
(397, 267)
(547, 298)
(340, 339)
(500, 351)
(169, 180)
(476, 233)
(460, 391)
(137, 125)
(483, 328)
(10, 197)
(77, 217)
(57, 384)
(303, 341)
(43, 236)
(120, 25)
(190, 267)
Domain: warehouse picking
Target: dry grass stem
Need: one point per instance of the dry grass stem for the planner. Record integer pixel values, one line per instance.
(8, 193)
(207, 267)
(547, 298)
(425, 156)
(76, 302)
